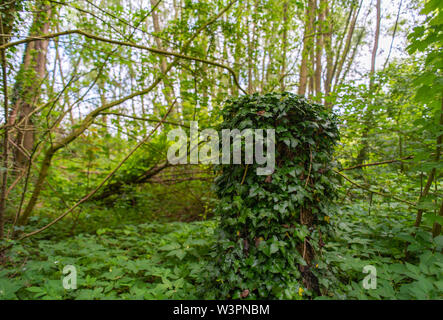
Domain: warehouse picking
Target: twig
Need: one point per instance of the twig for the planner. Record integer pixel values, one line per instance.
(310, 166)
(244, 174)
(144, 119)
(373, 191)
(126, 44)
(377, 163)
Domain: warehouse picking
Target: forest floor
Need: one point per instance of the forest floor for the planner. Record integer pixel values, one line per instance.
(166, 260)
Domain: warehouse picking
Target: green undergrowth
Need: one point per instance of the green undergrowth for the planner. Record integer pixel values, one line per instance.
(169, 260)
(408, 267)
(145, 261)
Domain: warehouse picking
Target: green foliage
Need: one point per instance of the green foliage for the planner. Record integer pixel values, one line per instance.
(428, 83)
(271, 226)
(404, 128)
(167, 260)
(145, 261)
(381, 239)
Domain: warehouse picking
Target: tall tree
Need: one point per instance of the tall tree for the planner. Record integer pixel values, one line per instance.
(28, 84)
(168, 90)
(368, 117)
(284, 45)
(319, 48)
(308, 47)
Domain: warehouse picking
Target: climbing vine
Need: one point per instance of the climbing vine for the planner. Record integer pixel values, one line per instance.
(273, 227)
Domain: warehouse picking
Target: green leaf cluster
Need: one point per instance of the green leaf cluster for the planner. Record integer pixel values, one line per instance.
(266, 220)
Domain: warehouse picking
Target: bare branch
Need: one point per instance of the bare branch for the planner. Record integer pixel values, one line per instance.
(377, 163)
(387, 195)
(126, 44)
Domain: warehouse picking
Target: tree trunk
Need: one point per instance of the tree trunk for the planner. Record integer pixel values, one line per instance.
(368, 119)
(329, 53)
(308, 44)
(436, 228)
(6, 24)
(7, 9)
(27, 87)
(375, 48)
(168, 90)
(319, 48)
(339, 66)
(431, 176)
(285, 44)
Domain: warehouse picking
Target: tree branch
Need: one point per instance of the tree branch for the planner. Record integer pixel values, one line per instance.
(373, 191)
(144, 119)
(126, 44)
(376, 163)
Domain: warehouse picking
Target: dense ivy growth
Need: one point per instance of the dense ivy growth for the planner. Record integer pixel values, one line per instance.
(272, 228)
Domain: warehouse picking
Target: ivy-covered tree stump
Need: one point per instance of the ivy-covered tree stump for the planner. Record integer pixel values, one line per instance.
(272, 228)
